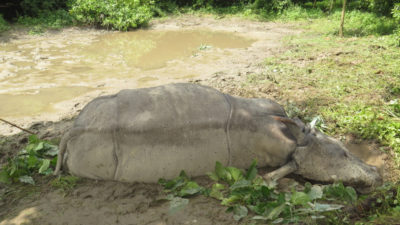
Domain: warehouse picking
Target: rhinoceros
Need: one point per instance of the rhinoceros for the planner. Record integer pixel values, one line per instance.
(141, 135)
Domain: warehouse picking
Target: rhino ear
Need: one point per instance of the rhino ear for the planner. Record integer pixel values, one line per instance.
(296, 127)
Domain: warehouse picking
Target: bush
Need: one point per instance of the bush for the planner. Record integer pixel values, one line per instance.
(382, 7)
(120, 15)
(358, 23)
(55, 20)
(363, 23)
(275, 6)
(3, 24)
(34, 8)
(297, 13)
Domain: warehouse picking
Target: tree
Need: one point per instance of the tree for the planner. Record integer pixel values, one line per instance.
(331, 6)
(342, 18)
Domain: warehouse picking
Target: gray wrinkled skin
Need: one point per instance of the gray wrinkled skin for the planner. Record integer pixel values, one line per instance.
(142, 135)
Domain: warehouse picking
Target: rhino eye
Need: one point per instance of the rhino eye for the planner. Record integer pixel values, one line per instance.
(345, 154)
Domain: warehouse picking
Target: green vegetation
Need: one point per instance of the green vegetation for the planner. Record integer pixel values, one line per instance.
(120, 15)
(249, 197)
(3, 24)
(364, 17)
(38, 157)
(353, 84)
(46, 20)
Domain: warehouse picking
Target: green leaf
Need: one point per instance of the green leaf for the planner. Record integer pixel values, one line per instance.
(26, 179)
(33, 139)
(4, 177)
(177, 203)
(231, 200)
(300, 198)
(52, 150)
(240, 184)
(252, 171)
(190, 188)
(220, 171)
(213, 176)
(45, 166)
(48, 171)
(351, 193)
(235, 174)
(183, 175)
(307, 187)
(239, 212)
(216, 191)
(32, 161)
(326, 207)
(266, 192)
(39, 147)
(259, 218)
(315, 192)
(276, 211)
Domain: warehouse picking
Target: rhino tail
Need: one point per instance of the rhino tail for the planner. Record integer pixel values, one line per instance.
(62, 148)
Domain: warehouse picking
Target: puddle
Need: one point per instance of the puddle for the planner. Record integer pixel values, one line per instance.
(153, 49)
(367, 153)
(36, 101)
(39, 72)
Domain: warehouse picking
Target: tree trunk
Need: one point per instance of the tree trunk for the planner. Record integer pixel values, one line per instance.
(331, 6)
(315, 2)
(342, 19)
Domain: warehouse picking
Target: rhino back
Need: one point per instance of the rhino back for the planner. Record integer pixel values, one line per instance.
(146, 134)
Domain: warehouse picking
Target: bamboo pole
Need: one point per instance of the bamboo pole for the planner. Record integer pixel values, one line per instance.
(342, 18)
(14, 125)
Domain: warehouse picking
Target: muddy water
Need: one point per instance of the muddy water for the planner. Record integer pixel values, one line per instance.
(35, 74)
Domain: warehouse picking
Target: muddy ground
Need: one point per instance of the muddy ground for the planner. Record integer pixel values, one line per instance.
(103, 202)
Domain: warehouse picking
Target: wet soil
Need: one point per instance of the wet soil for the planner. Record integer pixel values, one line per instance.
(106, 202)
(52, 76)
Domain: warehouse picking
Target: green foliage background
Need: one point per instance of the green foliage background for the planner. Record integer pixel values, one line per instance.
(130, 14)
(3, 24)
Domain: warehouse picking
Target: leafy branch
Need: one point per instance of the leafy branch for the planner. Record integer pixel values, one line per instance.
(38, 157)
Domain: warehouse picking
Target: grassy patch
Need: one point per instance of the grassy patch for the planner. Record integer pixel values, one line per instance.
(352, 83)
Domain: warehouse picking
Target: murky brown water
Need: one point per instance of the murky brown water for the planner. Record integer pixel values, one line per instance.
(36, 74)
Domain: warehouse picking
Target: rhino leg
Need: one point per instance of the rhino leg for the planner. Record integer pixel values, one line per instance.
(277, 174)
(63, 147)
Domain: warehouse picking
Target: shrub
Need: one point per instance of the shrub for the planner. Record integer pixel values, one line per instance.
(297, 13)
(362, 23)
(34, 8)
(120, 15)
(3, 24)
(55, 20)
(382, 7)
(275, 6)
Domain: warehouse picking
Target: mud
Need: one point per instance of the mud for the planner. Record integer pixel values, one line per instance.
(76, 65)
(105, 202)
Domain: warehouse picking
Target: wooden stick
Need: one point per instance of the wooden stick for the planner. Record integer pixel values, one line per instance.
(14, 125)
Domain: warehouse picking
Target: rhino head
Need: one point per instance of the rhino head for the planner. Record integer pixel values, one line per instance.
(322, 158)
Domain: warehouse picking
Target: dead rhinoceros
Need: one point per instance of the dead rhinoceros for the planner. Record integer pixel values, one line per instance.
(145, 134)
